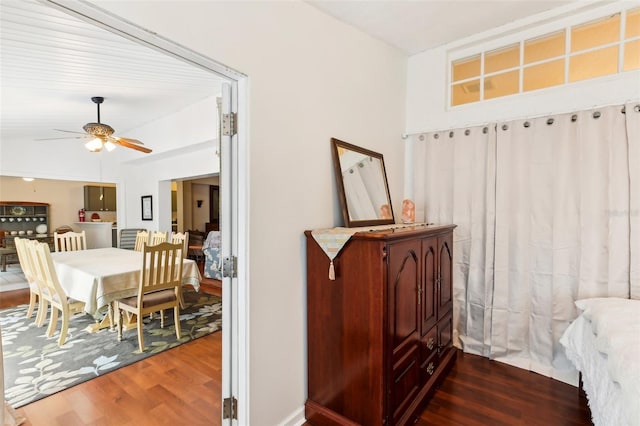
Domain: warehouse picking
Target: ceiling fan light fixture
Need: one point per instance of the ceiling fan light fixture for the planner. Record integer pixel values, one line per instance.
(98, 129)
(94, 145)
(110, 146)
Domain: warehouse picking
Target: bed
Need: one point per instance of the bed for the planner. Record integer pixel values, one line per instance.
(604, 345)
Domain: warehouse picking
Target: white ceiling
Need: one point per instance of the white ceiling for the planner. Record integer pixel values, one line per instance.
(418, 25)
(53, 63)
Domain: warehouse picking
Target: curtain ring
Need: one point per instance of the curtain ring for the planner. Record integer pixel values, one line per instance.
(637, 108)
(436, 136)
(526, 124)
(550, 121)
(351, 171)
(505, 127)
(450, 134)
(596, 114)
(421, 138)
(467, 132)
(574, 118)
(485, 130)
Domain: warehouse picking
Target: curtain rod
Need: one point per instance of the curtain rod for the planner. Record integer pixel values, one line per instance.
(405, 136)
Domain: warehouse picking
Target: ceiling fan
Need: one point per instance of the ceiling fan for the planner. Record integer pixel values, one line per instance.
(100, 135)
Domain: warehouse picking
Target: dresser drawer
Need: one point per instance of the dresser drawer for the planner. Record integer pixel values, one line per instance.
(429, 344)
(405, 382)
(429, 367)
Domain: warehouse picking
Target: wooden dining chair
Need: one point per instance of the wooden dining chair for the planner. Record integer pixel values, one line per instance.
(142, 238)
(51, 290)
(181, 238)
(35, 293)
(159, 288)
(157, 237)
(70, 241)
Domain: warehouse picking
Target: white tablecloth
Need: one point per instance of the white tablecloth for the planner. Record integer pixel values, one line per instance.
(99, 276)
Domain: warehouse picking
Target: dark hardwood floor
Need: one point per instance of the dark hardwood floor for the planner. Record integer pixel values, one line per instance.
(480, 392)
(181, 386)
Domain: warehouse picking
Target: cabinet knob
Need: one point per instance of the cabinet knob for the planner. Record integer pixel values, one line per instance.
(431, 368)
(430, 343)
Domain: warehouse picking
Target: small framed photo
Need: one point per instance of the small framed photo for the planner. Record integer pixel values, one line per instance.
(147, 207)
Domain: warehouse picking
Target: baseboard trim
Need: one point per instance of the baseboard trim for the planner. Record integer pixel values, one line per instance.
(295, 419)
(319, 415)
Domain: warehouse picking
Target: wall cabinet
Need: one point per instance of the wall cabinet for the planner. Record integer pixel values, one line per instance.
(99, 198)
(379, 335)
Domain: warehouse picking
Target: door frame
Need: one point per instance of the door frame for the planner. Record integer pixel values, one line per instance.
(236, 229)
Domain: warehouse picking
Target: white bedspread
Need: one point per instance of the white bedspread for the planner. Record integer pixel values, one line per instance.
(614, 325)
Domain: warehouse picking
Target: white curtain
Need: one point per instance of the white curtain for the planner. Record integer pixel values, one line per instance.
(455, 183)
(547, 213)
(632, 113)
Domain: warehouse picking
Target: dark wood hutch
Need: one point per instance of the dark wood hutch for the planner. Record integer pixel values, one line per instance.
(21, 219)
(380, 334)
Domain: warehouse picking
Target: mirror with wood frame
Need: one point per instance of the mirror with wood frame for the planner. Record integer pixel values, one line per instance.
(362, 185)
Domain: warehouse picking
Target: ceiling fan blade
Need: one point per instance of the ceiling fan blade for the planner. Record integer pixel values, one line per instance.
(69, 131)
(136, 141)
(65, 137)
(123, 142)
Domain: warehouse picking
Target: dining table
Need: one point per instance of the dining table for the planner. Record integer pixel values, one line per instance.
(99, 276)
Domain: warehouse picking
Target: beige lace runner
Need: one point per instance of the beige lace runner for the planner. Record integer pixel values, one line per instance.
(332, 240)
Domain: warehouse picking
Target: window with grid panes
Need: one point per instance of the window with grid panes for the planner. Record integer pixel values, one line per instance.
(593, 49)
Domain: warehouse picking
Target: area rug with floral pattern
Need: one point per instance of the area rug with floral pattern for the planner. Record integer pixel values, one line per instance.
(35, 366)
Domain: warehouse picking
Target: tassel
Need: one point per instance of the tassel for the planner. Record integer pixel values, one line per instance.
(332, 272)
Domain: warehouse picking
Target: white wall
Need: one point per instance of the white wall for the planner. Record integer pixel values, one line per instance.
(426, 101)
(191, 125)
(153, 175)
(200, 214)
(310, 78)
(63, 160)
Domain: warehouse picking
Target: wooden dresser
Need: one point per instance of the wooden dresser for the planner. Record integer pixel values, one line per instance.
(379, 335)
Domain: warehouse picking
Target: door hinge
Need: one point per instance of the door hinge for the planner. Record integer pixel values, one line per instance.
(230, 408)
(229, 124)
(230, 267)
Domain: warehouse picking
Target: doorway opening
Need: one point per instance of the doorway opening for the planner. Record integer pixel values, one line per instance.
(231, 188)
(195, 204)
